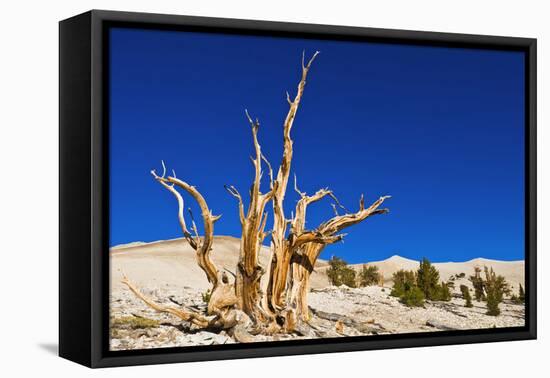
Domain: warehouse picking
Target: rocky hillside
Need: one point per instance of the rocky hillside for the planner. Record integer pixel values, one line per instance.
(167, 272)
(337, 312)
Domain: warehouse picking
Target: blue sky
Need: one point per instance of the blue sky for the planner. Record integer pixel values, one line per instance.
(439, 129)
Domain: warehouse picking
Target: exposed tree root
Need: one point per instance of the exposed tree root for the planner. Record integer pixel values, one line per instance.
(188, 316)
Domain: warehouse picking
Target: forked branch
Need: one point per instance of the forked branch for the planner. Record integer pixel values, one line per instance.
(201, 246)
(329, 229)
(281, 254)
(253, 223)
(241, 305)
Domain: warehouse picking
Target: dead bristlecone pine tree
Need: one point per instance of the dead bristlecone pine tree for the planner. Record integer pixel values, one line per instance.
(249, 305)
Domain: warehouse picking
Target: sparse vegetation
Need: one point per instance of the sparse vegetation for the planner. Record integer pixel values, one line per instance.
(427, 279)
(521, 296)
(496, 287)
(134, 322)
(406, 289)
(413, 297)
(442, 292)
(477, 282)
(369, 275)
(466, 295)
(492, 306)
(339, 273)
(402, 281)
(206, 296)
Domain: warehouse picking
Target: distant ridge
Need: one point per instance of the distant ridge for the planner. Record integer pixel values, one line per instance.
(513, 271)
(482, 260)
(477, 260)
(173, 262)
(163, 241)
(128, 245)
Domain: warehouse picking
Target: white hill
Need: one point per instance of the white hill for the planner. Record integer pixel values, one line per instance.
(172, 262)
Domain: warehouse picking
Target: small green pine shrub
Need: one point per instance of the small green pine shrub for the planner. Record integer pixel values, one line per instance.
(442, 292)
(414, 297)
(339, 273)
(521, 296)
(369, 275)
(492, 305)
(405, 288)
(478, 285)
(466, 295)
(427, 279)
(206, 296)
(496, 287)
(349, 277)
(403, 280)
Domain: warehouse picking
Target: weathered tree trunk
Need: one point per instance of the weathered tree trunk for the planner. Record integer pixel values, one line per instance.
(300, 287)
(325, 234)
(220, 310)
(281, 305)
(249, 272)
(281, 254)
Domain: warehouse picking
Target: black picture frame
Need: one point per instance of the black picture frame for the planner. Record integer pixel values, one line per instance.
(84, 188)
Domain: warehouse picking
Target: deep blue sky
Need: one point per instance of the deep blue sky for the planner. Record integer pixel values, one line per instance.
(439, 129)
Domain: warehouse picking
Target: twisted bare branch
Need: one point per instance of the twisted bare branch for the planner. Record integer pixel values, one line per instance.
(239, 305)
(204, 246)
(281, 254)
(235, 193)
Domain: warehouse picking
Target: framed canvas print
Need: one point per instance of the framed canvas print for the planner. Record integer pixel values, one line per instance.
(233, 188)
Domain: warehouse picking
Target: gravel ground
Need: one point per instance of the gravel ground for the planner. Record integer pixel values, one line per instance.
(338, 312)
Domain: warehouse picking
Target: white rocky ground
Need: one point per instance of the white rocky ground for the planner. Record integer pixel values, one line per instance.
(167, 272)
(362, 311)
(374, 303)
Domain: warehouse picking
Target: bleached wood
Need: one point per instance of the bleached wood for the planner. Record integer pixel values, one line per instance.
(241, 306)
